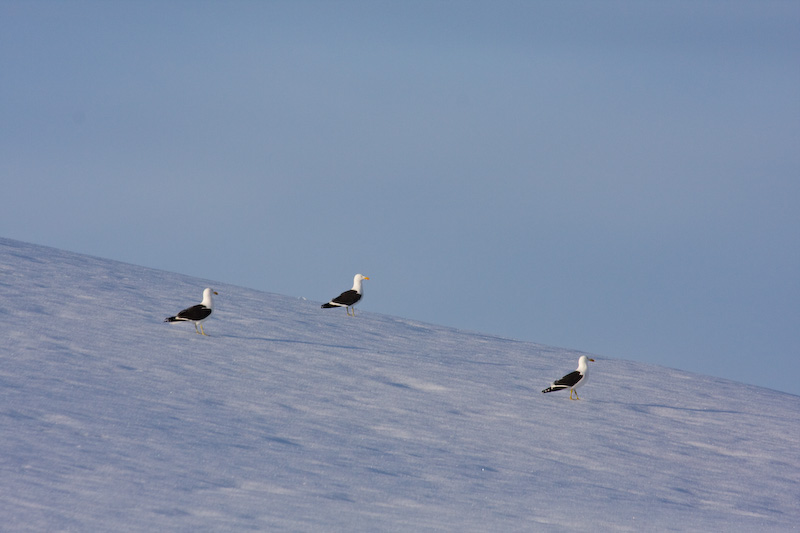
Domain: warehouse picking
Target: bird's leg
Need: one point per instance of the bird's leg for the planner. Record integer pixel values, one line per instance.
(195, 328)
(202, 330)
(576, 394)
(354, 311)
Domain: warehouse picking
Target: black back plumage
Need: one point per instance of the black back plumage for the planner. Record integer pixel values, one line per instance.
(195, 313)
(347, 298)
(569, 380)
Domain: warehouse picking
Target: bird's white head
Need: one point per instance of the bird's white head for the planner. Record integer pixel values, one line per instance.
(207, 300)
(583, 362)
(357, 282)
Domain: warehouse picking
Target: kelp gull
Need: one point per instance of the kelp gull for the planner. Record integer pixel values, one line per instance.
(573, 380)
(196, 313)
(348, 298)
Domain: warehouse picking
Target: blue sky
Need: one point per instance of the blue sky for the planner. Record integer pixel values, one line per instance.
(620, 178)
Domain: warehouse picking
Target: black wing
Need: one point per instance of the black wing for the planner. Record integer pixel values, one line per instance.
(195, 312)
(347, 298)
(570, 379)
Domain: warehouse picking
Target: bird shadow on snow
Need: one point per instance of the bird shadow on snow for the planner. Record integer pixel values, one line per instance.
(291, 341)
(649, 408)
(654, 408)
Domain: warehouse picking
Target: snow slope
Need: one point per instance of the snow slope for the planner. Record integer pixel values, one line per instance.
(293, 418)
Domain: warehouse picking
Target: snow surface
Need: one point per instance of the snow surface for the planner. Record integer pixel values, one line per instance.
(289, 417)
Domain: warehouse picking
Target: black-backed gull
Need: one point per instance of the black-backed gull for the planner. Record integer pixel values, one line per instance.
(348, 298)
(196, 313)
(573, 380)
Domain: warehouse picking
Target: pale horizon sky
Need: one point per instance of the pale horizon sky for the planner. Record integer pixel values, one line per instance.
(620, 178)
